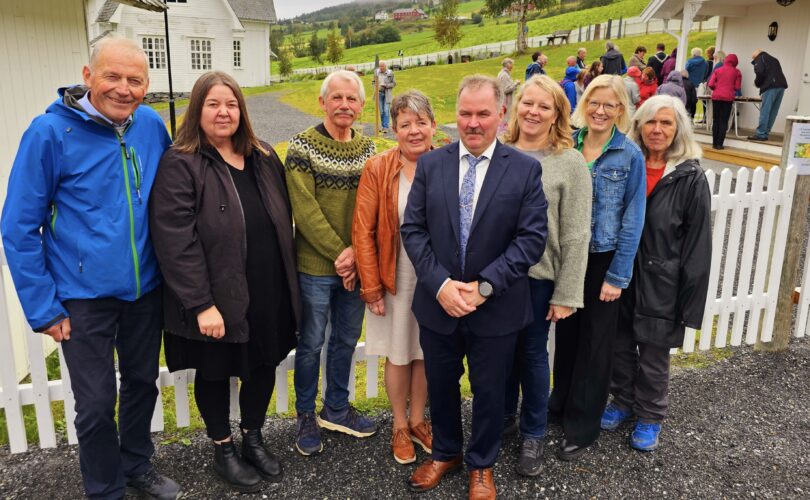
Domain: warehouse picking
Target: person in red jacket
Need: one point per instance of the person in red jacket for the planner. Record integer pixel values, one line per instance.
(724, 82)
(647, 84)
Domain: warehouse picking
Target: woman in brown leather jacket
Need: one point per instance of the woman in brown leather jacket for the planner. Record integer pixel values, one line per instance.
(387, 277)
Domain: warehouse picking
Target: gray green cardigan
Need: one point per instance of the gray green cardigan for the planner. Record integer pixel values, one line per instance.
(568, 188)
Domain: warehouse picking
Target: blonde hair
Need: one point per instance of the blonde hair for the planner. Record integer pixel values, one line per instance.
(611, 82)
(560, 134)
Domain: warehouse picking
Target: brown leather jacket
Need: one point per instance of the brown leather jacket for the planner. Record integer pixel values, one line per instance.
(375, 230)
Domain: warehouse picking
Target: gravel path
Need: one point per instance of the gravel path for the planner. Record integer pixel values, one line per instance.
(738, 428)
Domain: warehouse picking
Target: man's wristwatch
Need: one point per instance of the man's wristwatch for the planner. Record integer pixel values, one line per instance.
(485, 289)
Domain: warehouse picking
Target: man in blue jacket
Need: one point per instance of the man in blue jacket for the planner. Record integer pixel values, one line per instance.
(76, 238)
(475, 222)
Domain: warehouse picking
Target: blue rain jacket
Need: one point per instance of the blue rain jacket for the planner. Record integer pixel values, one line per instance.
(74, 223)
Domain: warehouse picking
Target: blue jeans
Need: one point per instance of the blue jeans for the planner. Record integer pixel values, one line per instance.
(530, 370)
(385, 112)
(324, 298)
(771, 100)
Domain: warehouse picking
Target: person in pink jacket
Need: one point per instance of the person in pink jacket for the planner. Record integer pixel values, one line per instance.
(724, 82)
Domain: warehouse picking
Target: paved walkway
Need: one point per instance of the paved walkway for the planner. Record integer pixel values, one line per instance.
(738, 428)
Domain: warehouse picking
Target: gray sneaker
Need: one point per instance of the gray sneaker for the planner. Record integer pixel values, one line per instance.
(153, 485)
(347, 421)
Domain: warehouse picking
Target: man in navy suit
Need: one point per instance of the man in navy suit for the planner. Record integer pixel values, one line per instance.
(475, 222)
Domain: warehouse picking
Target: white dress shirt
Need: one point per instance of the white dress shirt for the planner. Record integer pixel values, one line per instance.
(480, 174)
(480, 169)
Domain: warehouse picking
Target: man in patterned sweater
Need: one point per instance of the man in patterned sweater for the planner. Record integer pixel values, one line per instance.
(323, 169)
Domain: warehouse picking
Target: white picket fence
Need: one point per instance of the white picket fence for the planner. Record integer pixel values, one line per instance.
(618, 29)
(744, 282)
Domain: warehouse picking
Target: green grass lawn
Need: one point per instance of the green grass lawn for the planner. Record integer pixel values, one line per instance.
(467, 8)
(489, 32)
(440, 82)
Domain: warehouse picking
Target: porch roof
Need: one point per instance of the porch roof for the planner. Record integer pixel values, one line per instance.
(673, 9)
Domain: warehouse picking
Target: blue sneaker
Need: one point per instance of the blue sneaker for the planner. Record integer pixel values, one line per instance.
(613, 417)
(347, 421)
(645, 436)
(308, 435)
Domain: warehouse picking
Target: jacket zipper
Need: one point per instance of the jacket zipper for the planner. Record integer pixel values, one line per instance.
(54, 213)
(135, 257)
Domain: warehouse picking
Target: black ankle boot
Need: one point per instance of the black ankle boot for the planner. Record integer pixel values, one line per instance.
(256, 454)
(233, 470)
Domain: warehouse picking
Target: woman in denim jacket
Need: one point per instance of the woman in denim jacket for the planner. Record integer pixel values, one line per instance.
(584, 340)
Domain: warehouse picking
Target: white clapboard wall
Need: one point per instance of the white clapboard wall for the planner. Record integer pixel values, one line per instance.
(741, 305)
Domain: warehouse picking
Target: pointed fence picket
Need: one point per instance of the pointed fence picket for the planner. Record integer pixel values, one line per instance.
(750, 221)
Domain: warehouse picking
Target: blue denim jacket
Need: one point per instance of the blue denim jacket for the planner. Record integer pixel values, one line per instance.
(619, 201)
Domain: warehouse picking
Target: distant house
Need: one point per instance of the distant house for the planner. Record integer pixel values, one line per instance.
(408, 14)
(204, 35)
(381, 16)
(514, 9)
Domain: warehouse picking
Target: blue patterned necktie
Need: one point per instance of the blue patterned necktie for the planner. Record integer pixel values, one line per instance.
(465, 204)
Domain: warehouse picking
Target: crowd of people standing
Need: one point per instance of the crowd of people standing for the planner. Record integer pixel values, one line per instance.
(580, 203)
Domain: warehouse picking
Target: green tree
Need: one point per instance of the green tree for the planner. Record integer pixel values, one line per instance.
(285, 66)
(334, 47)
(317, 46)
(495, 8)
(349, 34)
(446, 25)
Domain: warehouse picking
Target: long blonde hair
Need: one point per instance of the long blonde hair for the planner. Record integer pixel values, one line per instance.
(560, 134)
(614, 83)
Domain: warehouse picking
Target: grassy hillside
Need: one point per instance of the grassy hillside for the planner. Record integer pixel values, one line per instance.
(440, 82)
(489, 32)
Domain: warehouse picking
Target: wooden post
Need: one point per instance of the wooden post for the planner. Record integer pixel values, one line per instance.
(798, 226)
(376, 80)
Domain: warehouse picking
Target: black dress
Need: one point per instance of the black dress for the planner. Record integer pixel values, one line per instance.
(269, 315)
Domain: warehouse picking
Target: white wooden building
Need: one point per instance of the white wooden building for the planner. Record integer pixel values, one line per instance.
(745, 25)
(204, 35)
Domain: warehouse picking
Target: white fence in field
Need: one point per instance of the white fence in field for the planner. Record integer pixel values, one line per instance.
(619, 28)
(750, 223)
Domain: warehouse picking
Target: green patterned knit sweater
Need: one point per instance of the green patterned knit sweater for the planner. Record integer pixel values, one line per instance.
(322, 178)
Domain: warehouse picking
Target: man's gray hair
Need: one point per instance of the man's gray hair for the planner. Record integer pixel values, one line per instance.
(609, 45)
(697, 52)
(507, 61)
(475, 82)
(412, 100)
(348, 76)
(683, 147)
(115, 40)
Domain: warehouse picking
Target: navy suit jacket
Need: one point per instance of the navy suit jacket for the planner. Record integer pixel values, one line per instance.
(507, 236)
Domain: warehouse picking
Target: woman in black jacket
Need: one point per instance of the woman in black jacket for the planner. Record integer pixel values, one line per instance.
(671, 270)
(222, 230)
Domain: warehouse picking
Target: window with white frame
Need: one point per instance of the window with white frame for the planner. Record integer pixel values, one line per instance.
(155, 48)
(200, 54)
(237, 53)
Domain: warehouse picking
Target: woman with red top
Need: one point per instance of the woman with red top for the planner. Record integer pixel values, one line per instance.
(647, 85)
(724, 82)
(670, 274)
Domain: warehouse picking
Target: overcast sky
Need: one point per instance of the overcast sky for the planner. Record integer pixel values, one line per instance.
(286, 9)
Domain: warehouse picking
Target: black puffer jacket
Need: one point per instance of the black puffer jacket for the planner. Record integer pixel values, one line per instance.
(768, 73)
(198, 232)
(613, 63)
(671, 271)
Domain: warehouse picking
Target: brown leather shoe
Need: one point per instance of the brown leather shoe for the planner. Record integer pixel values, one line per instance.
(402, 446)
(482, 485)
(422, 434)
(428, 475)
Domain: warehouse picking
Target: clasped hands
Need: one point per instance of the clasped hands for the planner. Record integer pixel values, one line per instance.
(459, 299)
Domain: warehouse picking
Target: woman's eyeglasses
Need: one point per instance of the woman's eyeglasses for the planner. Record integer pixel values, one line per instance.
(609, 107)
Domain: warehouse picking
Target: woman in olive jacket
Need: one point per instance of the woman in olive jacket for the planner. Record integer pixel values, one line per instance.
(221, 226)
(671, 271)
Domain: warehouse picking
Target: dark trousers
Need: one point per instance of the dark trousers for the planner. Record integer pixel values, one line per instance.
(213, 401)
(100, 327)
(530, 369)
(583, 356)
(721, 111)
(640, 380)
(489, 360)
